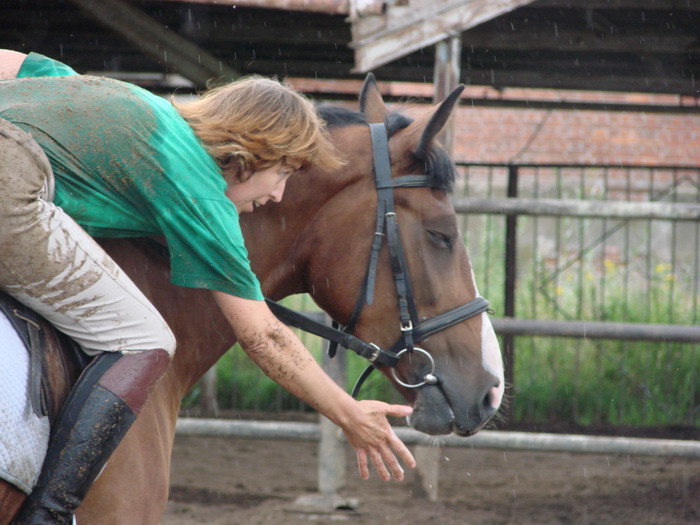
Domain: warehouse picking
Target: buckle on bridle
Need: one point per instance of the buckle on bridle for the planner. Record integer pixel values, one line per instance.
(428, 379)
(375, 353)
(407, 327)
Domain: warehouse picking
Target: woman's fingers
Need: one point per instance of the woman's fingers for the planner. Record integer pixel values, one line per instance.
(402, 450)
(392, 464)
(398, 410)
(385, 461)
(362, 463)
(379, 466)
(378, 441)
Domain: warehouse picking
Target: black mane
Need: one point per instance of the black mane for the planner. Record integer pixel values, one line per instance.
(438, 166)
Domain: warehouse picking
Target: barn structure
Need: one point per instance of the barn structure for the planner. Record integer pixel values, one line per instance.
(646, 46)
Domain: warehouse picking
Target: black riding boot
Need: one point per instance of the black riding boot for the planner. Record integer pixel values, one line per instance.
(100, 409)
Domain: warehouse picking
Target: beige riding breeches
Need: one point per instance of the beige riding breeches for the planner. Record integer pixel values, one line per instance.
(49, 263)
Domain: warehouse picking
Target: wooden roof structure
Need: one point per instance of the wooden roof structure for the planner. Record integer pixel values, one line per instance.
(617, 45)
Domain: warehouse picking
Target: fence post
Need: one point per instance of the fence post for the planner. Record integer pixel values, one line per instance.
(208, 403)
(331, 449)
(509, 292)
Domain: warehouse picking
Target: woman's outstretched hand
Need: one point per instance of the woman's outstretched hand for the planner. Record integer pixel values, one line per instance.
(280, 354)
(371, 435)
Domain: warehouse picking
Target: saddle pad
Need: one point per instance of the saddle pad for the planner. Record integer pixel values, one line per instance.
(24, 437)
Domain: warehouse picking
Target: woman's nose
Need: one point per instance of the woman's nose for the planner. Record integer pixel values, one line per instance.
(278, 192)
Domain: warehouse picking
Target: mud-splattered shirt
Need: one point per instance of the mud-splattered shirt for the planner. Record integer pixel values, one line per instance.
(127, 164)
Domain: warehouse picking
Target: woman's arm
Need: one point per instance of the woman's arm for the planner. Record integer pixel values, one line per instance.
(280, 354)
(10, 62)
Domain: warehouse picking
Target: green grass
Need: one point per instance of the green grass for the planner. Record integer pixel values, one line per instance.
(585, 381)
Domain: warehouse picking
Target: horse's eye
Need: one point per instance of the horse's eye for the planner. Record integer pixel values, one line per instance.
(440, 239)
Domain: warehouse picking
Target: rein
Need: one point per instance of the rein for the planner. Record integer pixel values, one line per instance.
(412, 330)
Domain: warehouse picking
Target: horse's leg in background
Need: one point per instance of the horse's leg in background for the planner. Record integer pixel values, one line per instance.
(11, 499)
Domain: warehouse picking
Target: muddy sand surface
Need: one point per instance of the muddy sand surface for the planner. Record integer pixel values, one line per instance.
(243, 481)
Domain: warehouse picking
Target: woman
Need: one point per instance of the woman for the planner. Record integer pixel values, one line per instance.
(128, 163)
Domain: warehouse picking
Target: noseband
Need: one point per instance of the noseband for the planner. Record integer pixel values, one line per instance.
(412, 329)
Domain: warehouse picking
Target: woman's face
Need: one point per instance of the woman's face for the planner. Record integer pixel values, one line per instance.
(264, 185)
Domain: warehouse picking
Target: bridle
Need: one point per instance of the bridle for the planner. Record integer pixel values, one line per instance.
(412, 329)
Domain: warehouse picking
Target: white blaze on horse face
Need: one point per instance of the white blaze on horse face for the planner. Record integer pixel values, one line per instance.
(491, 358)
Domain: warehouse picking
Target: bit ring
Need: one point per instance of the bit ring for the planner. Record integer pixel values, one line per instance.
(428, 379)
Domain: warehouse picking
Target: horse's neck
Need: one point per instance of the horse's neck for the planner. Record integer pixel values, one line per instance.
(280, 237)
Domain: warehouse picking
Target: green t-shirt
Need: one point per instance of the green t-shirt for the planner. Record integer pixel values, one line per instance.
(127, 164)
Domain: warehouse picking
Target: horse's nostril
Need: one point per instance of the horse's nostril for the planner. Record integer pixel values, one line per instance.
(492, 399)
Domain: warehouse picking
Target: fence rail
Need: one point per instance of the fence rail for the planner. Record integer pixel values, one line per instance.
(500, 440)
(591, 209)
(670, 333)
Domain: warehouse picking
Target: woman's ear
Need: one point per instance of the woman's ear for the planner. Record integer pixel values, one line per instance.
(233, 169)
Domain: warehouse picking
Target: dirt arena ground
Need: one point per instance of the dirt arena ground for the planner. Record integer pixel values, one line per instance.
(239, 481)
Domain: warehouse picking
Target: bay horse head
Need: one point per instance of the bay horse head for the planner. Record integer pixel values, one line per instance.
(319, 241)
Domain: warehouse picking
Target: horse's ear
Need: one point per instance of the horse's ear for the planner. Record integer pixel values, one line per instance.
(419, 135)
(371, 103)
(435, 120)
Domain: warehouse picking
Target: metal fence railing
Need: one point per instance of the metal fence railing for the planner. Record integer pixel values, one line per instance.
(642, 220)
(587, 251)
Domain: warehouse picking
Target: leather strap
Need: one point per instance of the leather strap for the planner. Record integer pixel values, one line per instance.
(386, 222)
(369, 351)
(27, 325)
(445, 320)
(429, 327)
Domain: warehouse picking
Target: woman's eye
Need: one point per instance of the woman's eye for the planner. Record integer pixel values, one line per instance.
(440, 239)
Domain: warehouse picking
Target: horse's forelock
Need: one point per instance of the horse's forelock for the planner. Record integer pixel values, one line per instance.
(338, 117)
(438, 166)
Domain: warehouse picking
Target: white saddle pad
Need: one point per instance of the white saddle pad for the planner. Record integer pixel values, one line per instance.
(23, 436)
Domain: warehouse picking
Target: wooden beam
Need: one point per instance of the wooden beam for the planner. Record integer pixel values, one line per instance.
(446, 75)
(546, 78)
(335, 7)
(668, 106)
(542, 37)
(157, 41)
(416, 24)
(670, 211)
(637, 5)
(583, 80)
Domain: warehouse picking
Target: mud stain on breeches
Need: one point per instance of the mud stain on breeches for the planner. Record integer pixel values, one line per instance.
(48, 262)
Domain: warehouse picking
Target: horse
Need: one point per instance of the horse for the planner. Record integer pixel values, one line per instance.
(318, 240)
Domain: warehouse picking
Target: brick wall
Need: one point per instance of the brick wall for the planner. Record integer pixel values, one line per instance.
(527, 135)
(489, 134)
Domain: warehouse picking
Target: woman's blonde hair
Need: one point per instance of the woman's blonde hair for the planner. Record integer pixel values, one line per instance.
(254, 123)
